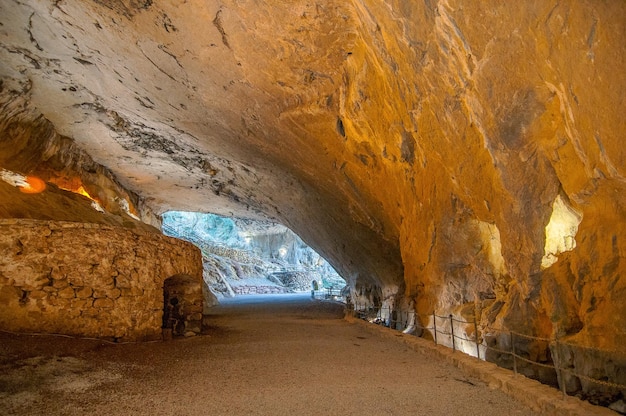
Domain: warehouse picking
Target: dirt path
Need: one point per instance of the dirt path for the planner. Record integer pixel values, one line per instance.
(296, 357)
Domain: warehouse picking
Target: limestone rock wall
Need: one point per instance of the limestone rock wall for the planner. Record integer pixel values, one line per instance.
(497, 111)
(439, 153)
(91, 279)
(506, 119)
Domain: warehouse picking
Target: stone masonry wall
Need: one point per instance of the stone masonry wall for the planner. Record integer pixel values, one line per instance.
(88, 279)
(259, 290)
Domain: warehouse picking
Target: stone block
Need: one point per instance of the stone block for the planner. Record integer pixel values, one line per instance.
(101, 283)
(99, 293)
(60, 284)
(84, 292)
(75, 279)
(122, 281)
(39, 294)
(66, 293)
(195, 317)
(58, 273)
(113, 293)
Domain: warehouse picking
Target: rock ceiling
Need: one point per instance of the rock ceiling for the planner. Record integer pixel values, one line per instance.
(418, 145)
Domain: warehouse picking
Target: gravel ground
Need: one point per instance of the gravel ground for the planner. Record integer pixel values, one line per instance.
(293, 356)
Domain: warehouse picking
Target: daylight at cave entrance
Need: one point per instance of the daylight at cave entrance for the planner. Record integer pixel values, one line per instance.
(449, 158)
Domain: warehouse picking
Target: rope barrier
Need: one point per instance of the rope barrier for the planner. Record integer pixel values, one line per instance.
(594, 380)
(530, 336)
(35, 334)
(615, 352)
(494, 331)
(464, 339)
(498, 350)
(532, 362)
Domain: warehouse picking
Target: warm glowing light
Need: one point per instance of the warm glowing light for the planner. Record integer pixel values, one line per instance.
(26, 184)
(83, 192)
(560, 231)
(33, 185)
(127, 208)
(492, 246)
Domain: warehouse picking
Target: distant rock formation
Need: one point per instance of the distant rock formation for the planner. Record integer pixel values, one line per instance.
(251, 254)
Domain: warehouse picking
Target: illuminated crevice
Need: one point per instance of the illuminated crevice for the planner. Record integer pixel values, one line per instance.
(26, 184)
(80, 189)
(492, 245)
(560, 232)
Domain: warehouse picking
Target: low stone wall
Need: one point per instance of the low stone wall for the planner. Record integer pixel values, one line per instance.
(259, 290)
(91, 279)
(297, 280)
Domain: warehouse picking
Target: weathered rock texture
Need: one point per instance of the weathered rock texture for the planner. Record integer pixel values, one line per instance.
(421, 147)
(95, 280)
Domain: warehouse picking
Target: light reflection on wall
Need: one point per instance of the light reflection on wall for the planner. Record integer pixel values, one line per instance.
(560, 231)
(35, 185)
(26, 184)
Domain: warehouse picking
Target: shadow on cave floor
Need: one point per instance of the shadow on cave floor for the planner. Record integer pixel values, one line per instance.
(292, 356)
(279, 298)
(265, 306)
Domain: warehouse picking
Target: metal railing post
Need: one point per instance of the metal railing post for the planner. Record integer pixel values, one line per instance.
(559, 373)
(556, 346)
(476, 337)
(514, 356)
(452, 333)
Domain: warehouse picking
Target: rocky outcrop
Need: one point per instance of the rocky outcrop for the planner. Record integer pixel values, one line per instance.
(31, 145)
(443, 154)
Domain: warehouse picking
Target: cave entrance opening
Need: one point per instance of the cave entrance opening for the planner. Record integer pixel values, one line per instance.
(252, 257)
(182, 306)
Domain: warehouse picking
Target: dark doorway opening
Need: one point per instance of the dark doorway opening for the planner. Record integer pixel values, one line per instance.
(182, 306)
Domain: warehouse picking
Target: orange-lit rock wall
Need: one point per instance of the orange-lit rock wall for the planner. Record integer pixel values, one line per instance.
(423, 147)
(485, 113)
(92, 279)
(495, 112)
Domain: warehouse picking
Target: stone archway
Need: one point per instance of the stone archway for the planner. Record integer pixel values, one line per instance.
(182, 306)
